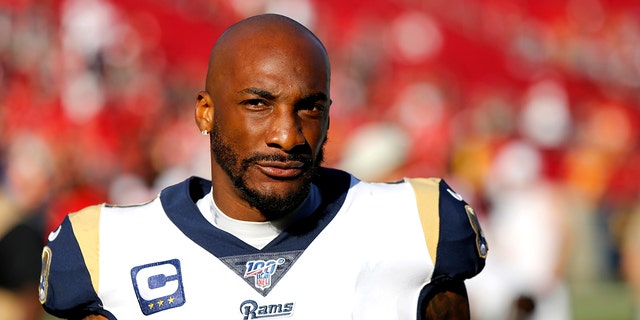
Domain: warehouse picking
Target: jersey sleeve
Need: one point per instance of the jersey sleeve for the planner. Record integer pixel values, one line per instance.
(453, 234)
(454, 238)
(68, 279)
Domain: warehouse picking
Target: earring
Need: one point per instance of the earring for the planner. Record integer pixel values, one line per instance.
(205, 132)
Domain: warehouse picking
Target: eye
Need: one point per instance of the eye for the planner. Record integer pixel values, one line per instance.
(254, 103)
(312, 108)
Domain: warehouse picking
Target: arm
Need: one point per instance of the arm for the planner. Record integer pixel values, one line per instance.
(446, 301)
(457, 247)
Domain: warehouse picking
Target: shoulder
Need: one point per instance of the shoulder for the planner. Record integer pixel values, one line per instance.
(77, 234)
(188, 191)
(69, 260)
(87, 217)
(451, 227)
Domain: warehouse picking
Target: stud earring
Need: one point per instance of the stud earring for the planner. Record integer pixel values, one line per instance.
(205, 132)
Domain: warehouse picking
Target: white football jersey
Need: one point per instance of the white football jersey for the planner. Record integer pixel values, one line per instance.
(367, 252)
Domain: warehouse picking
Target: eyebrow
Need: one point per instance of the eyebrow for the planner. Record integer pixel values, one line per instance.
(259, 92)
(316, 96)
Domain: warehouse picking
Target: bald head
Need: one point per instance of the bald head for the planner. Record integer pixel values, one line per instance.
(257, 36)
(266, 106)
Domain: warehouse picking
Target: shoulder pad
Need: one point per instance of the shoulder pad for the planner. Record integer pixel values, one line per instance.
(452, 228)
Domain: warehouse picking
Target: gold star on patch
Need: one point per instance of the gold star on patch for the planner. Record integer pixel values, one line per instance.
(160, 303)
(170, 300)
(150, 305)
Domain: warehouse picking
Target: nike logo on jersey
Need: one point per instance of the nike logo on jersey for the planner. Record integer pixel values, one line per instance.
(455, 194)
(54, 234)
(158, 286)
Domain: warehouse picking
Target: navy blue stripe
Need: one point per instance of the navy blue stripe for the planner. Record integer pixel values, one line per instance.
(179, 203)
(333, 186)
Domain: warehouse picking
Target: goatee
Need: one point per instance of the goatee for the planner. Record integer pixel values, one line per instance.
(271, 206)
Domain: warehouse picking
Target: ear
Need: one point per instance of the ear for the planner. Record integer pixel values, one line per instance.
(329, 115)
(204, 111)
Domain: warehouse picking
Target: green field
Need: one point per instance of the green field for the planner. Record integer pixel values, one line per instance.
(601, 301)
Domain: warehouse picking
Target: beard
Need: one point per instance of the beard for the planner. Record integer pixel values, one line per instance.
(272, 206)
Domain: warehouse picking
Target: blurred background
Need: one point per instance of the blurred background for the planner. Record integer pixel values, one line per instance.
(529, 109)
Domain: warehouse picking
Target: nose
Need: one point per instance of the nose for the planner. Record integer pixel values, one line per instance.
(286, 130)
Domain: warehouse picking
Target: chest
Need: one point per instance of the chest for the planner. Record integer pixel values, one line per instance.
(362, 265)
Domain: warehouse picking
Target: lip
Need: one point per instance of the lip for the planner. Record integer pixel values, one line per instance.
(281, 170)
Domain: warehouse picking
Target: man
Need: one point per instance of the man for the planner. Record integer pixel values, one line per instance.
(274, 234)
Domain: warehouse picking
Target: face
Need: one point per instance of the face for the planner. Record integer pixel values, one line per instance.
(271, 116)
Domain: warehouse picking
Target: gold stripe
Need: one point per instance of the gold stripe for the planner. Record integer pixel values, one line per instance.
(86, 224)
(427, 197)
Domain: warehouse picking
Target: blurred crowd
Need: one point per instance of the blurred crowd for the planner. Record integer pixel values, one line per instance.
(531, 109)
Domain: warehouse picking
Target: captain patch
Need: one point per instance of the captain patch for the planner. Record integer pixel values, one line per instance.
(158, 286)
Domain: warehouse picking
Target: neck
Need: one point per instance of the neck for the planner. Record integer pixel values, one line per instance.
(228, 199)
(307, 207)
(236, 208)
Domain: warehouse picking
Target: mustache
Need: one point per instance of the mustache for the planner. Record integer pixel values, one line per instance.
(254, 158)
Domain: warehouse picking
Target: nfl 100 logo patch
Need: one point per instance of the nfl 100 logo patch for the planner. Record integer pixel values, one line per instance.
(158, 286)
(262, 271)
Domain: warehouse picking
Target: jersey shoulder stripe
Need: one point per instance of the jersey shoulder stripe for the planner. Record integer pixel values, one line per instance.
(451, 227)
(85, 224)
(426, 191)
(68, 288)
